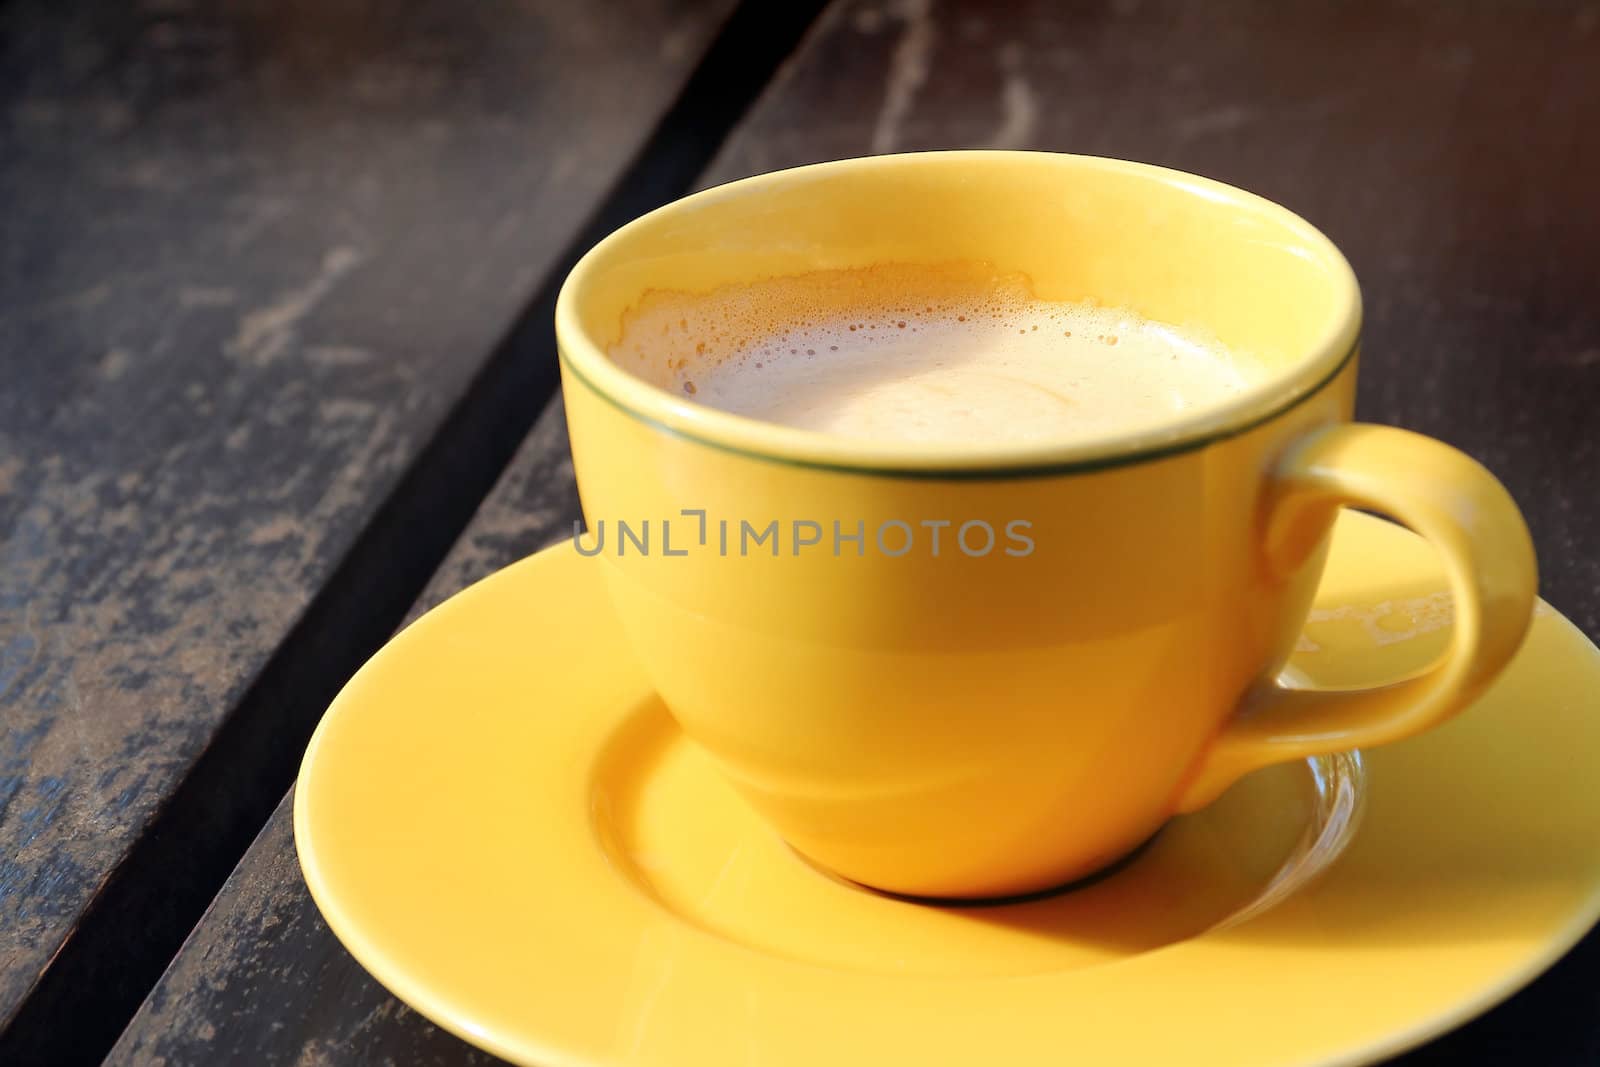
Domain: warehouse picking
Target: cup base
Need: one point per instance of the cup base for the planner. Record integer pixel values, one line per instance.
(1081, 882)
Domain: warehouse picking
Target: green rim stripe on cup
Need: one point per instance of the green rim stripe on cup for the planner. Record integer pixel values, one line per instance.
(997, 473)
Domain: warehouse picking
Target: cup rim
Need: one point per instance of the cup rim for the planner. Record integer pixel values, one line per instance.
(583, 360)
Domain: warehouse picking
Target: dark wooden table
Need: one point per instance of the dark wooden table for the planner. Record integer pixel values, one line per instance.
(275, 290)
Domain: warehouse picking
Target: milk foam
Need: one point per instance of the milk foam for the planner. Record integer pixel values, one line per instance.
(962, 357)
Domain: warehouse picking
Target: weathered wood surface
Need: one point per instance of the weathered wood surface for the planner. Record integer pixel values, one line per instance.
(1441, 144)
(1446, 146)
(251, 255)
(262, 979)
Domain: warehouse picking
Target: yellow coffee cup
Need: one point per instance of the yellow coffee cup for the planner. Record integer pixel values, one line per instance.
(969, 723)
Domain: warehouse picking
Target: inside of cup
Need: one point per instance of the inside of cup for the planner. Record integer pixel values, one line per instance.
(1166, 246)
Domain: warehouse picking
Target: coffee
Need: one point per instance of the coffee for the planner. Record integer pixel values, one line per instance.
(954, 353)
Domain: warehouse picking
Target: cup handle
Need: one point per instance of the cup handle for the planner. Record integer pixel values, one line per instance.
(1456, 504)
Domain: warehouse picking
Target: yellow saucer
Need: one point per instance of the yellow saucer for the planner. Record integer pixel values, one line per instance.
(502, 824)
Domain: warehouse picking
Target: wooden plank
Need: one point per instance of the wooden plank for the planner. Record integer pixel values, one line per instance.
(262, 979)
(252, 257)
(1463, 211)
(1445, 146)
